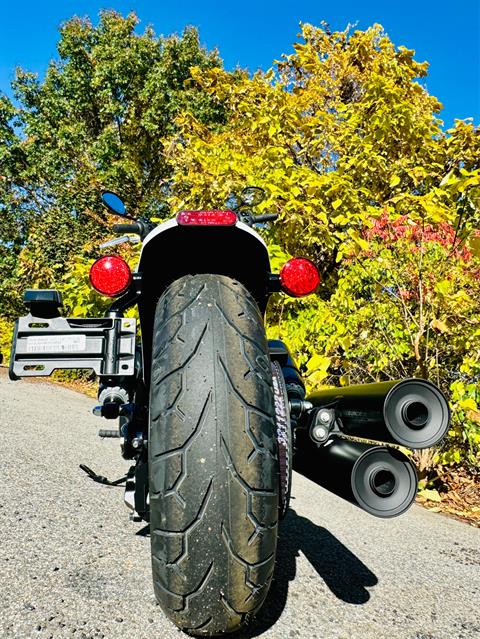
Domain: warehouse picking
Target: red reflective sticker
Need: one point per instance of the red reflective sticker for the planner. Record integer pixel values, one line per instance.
(206, 218)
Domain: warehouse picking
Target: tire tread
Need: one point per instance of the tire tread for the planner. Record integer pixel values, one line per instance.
(213, 480)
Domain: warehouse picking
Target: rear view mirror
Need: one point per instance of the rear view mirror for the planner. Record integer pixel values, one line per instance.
(252, 195)
(114, 203)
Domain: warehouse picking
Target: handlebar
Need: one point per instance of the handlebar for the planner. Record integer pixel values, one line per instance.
(266, 217)
(128, 228)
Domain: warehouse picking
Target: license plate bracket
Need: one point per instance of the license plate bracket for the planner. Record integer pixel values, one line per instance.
(42, 345)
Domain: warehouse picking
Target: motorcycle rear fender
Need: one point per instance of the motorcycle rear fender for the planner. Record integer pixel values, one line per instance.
(171, 251)
(235, 251)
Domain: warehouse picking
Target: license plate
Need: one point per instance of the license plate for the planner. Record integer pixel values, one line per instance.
(56, 343)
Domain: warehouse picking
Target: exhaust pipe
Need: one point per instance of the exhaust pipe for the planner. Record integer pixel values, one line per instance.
(380, 480)
(411, 412)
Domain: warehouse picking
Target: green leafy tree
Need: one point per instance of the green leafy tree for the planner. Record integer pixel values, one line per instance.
(348, 145)
(97, 120)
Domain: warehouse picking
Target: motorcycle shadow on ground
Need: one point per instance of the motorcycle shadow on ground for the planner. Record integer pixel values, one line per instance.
(344, 574)
(342, 571)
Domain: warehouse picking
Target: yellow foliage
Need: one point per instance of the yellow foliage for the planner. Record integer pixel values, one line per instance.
(6, 332)
(339, 133)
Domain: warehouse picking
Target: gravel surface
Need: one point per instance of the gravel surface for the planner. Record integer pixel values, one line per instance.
(73, 565)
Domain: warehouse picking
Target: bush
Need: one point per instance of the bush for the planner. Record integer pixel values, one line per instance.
(405, 306)
(6, 332)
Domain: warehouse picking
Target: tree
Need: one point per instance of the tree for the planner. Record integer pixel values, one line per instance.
(97, 120)
(349, 147)
(338, 132)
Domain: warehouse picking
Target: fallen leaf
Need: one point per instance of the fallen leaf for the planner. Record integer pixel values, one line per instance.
(431, 494)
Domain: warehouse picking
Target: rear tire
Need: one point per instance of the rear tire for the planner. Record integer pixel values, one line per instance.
(212, 456)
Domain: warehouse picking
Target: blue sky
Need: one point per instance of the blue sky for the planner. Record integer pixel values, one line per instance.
(253, 34)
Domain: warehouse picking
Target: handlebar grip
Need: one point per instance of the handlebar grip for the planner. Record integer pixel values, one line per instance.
(266, 217)
(127, 228)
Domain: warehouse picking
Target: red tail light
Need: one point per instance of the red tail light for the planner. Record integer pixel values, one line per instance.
(206, 218)
(299, 277)
(110, 275)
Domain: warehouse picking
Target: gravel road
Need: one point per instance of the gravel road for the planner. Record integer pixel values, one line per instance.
(73, 565)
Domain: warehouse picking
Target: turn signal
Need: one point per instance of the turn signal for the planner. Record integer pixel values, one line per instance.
(299, 277)
(110, 275)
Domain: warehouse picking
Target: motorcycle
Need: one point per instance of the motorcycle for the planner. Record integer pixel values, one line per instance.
(212, 414)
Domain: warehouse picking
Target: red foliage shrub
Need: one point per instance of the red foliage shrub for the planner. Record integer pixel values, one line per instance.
(403, 228)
